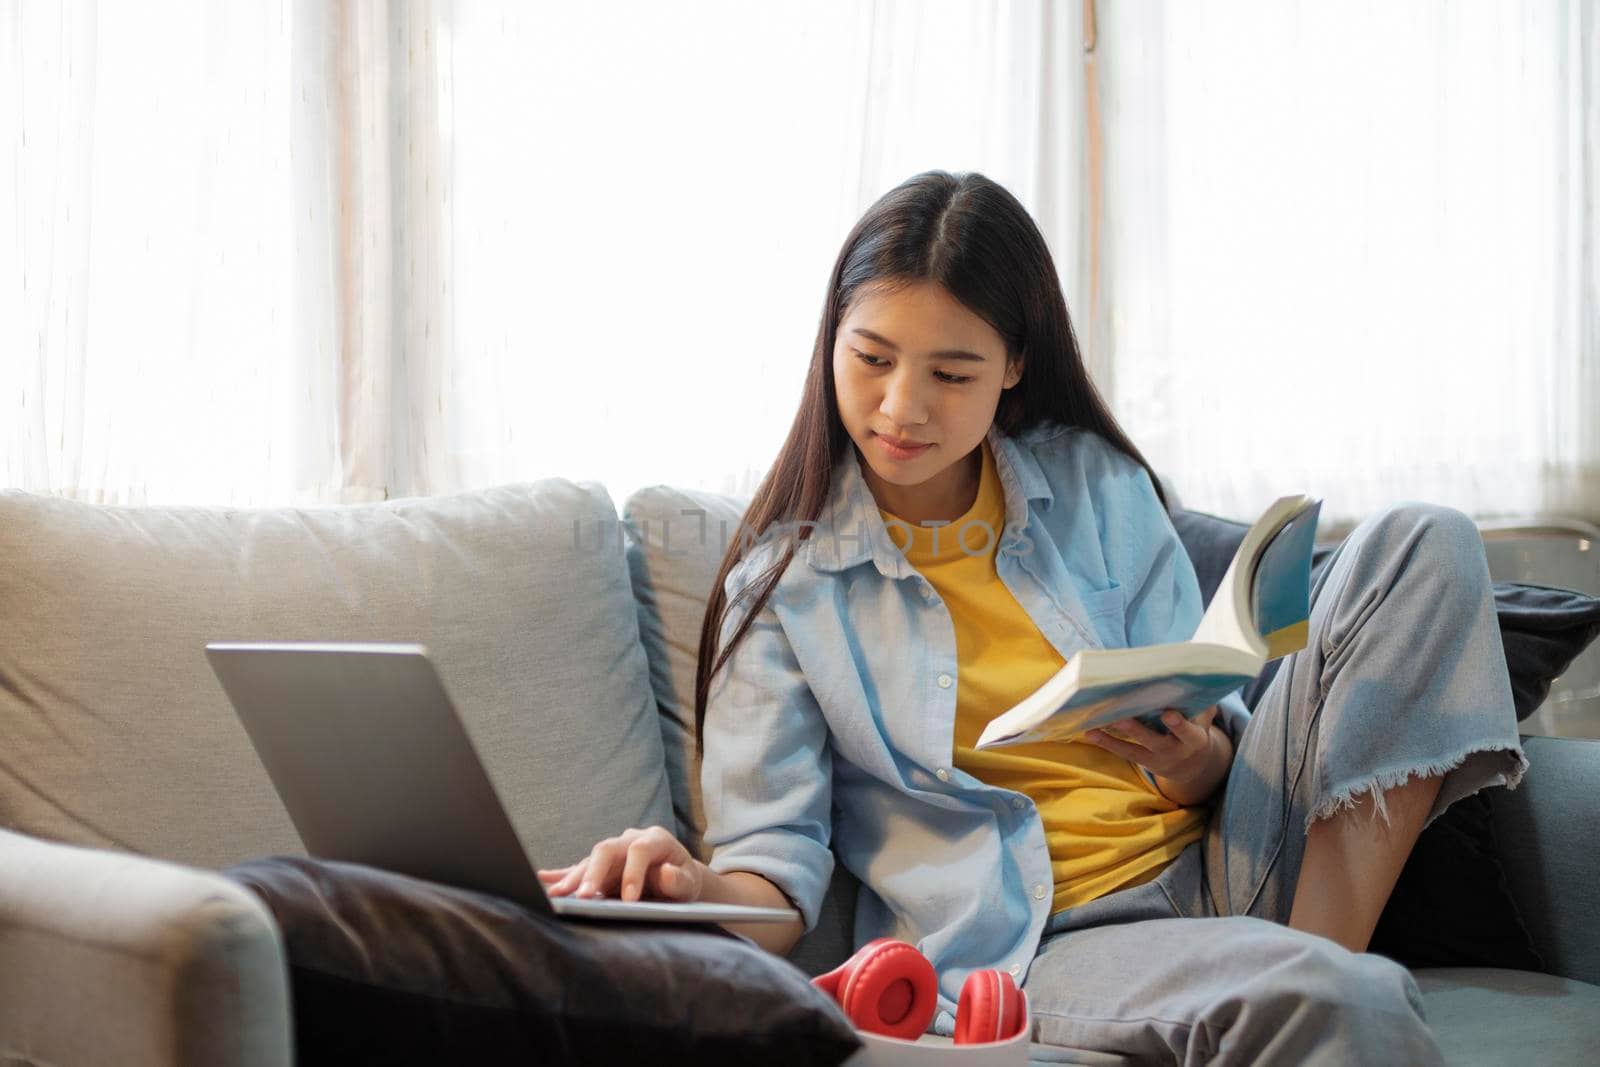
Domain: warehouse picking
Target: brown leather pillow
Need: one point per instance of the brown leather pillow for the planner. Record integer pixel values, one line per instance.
(386, 969)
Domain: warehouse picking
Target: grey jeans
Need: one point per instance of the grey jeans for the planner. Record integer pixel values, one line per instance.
(1403, 674)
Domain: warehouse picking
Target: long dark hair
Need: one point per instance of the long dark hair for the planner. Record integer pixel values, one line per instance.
(969, 235)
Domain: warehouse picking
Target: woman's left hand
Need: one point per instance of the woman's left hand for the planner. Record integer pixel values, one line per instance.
(1181, 755)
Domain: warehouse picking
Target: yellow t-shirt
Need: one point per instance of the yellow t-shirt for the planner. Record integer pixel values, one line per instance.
(1106, 826)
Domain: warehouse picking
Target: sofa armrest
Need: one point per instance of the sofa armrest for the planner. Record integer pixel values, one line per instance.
(1549, 841)
(107, 957)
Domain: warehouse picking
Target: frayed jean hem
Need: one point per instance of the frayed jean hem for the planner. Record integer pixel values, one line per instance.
(1345, 798)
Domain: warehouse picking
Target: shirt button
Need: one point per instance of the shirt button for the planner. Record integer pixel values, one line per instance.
(1015, 969)
(927, 591)
(1038, 892)
(1018, 803)
(942, 774)
(944, 681)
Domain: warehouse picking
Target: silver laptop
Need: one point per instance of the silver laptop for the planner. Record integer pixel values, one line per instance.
(375, 767)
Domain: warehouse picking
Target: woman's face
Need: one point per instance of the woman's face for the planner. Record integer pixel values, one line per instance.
(917, 366)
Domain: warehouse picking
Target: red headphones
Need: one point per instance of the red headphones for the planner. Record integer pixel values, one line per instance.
(889, 988)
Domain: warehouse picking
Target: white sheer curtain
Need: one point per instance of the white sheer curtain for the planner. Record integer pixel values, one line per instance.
(1351, 249)
(220, 249)
(337, 252)
(646, 200)
(147, 243)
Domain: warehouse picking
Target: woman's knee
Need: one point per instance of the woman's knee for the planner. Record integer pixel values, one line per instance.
(1311, 967)
(1366, 1005)
(1346, 983)
(1436, 528)
(1439, 544)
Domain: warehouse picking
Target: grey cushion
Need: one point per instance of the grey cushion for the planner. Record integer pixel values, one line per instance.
(117, 733)
(1493, 1016)
(1550, 846)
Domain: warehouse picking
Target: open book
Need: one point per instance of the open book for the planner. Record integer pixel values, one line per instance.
(1261, 611)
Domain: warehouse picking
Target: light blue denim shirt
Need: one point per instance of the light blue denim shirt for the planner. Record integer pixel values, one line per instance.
(833, 722)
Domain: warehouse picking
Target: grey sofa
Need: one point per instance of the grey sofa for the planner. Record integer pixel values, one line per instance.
(566, 635)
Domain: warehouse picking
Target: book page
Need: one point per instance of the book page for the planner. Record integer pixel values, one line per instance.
(1103, 705)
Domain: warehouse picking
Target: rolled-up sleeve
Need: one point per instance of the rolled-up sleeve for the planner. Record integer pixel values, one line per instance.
(1144, 553)
(767, 771)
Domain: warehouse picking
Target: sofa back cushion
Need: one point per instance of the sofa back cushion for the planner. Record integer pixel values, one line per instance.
(675, 542)
(117, 734)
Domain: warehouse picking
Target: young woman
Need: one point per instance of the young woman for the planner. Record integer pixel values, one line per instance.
(954, 513)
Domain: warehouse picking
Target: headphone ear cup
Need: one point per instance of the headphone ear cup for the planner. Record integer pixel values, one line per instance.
(887, 987)
(992, 1008)
(831, 982)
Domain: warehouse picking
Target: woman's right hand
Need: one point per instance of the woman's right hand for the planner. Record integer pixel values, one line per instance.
(636, 864)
